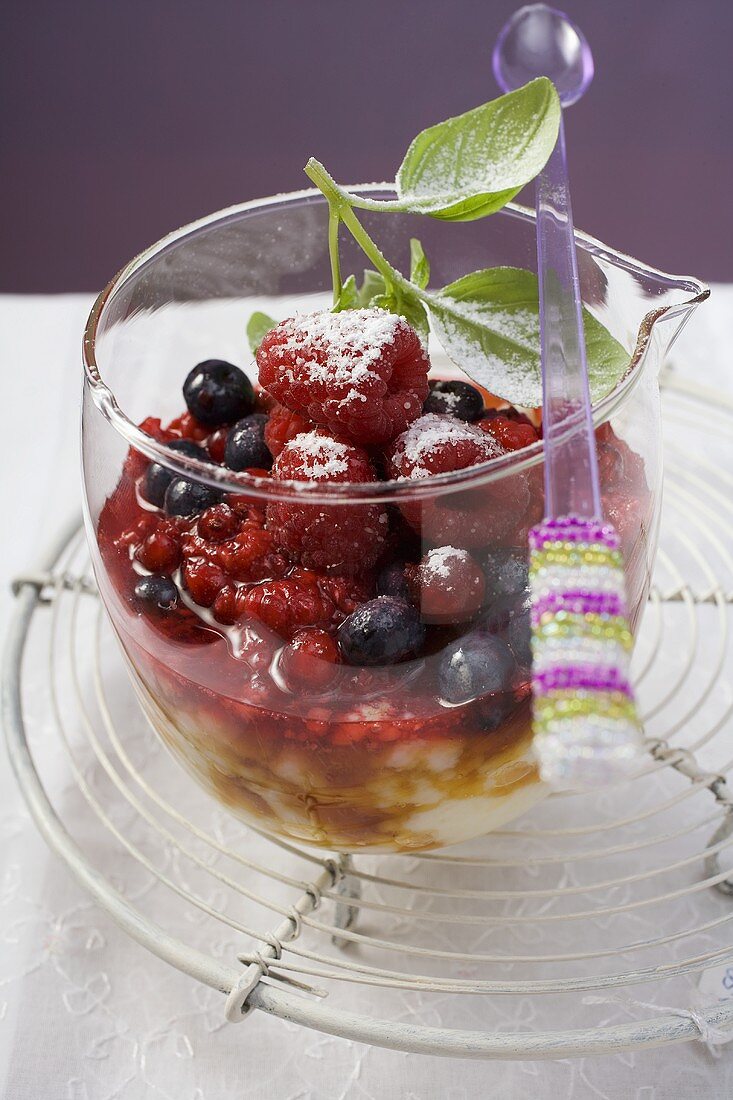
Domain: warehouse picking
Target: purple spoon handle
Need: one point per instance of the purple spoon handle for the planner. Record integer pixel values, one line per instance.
(586, 728)
(571, 465)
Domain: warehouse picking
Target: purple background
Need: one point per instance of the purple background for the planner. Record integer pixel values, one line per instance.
(124, 120)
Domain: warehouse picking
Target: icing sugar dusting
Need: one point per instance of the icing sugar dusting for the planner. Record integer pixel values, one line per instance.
(325, 457)
(348, 344)
(431, 431)
(438, 561)
(450, 400)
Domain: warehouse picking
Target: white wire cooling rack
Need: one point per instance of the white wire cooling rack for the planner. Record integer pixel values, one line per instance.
(587, 927)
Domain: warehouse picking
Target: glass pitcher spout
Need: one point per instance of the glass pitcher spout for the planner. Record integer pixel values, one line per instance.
(645, 309)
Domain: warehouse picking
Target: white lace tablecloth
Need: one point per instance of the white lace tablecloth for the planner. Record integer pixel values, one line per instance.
(86, 1014)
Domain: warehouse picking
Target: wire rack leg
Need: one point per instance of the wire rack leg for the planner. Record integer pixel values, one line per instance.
(685, 762)
(270, 950)
(347, 887)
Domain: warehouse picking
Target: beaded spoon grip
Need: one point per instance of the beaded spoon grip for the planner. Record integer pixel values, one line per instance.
(585, 723)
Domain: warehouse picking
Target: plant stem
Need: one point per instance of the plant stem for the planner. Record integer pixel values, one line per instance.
(339, 202)
(333, 250)
(325, 183)
(372, 251)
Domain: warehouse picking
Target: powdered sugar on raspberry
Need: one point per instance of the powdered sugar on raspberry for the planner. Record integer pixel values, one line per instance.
(324, 457)
(430, 432)
(438, 561)
(352, 342)
(362, 373)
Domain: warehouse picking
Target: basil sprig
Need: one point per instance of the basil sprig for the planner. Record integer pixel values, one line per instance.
(459, 170)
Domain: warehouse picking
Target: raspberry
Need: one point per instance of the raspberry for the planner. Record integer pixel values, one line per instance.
(463, 518)
(448, 586)
(203, 580)
(216, 444)
(236, 543)
(610, 466)
(347, 593)
(251, 555)
(160, 552)
(246, 508)
(144, 526)
(626, 514)
(346, 538)
(187, 427)
(151, 425)
(282, 426)
(510, 412)
(618, 464)
(218, 523)
(511, 434)
(363, 373)
(289, 605)
(227, 606)
(436, 445)
(318, 456)
(309, 661)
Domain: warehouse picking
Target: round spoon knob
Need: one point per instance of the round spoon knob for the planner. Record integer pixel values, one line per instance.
(541, 41)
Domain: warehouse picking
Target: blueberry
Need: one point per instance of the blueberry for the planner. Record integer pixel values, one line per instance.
(391, 581)
(493, 709)
(478, 664)
(157, 593)
(507, 572)
(454, 399)
(218, 393)
(518, 635)
(381, 632)
(188, 498)
(246, 447)
(158, 478)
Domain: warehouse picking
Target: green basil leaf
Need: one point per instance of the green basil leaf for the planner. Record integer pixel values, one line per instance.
(348, 297)
(414, 312)
(405, 306)
(488, 324)
(419, 265)
(472, 165)
(372, 284)
(375, 293)
(258, 326)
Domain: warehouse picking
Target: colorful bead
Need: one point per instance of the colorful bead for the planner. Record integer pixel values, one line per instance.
(585, 722)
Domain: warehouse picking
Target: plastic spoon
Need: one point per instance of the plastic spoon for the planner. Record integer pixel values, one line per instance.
(585, 723)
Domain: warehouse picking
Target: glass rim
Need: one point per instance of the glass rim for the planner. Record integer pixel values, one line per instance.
(376, 492)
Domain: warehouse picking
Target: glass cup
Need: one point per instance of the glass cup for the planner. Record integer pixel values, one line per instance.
(427, 752)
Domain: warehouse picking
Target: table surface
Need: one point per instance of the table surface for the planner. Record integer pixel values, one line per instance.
(62, 1035)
